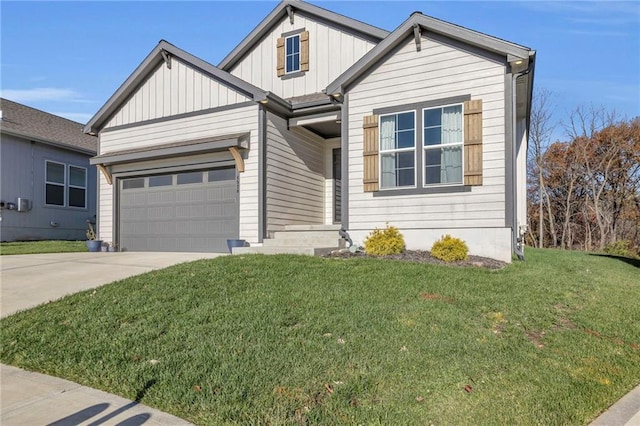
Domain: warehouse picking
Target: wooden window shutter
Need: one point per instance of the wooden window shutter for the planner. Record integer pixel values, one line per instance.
(280, 55)
(473, 142)
(370, 153)
(304, 51)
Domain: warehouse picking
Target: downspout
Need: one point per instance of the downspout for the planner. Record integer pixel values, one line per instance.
(516, 240)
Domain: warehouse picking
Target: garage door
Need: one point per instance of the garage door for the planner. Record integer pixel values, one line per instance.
(193, 211)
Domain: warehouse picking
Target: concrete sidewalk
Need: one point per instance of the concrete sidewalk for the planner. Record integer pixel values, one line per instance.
(36, 399)
(625, 412)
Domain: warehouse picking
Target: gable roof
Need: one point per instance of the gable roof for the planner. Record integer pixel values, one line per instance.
(432, 25)
(33, 124)
(162, 52)
(283, 9)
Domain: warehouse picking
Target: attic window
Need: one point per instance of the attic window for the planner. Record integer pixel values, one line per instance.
(293, 53)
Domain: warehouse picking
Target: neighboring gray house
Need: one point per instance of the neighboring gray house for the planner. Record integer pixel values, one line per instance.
(317, 122)
(47, 187)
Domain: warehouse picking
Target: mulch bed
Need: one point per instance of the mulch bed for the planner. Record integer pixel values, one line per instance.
(420, 256)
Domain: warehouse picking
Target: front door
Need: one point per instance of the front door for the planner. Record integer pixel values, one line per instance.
(337, 185)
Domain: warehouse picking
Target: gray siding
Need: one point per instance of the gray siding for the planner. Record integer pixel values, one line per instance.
(331, 52)
(239, 120)
(22, 164)
(295, 176)
(181, 89)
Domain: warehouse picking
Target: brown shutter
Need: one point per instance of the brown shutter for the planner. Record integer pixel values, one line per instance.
(280, 55)
(370, 153)
(304, 51)
(473, 142)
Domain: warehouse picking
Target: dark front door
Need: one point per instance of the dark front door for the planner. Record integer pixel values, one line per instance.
(337, 185)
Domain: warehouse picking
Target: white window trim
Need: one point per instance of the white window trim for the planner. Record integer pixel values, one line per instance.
(86, 175)
(286, 54)
(63, 185)
(433, 147)
(388, 151)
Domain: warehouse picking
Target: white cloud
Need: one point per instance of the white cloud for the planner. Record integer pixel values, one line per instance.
(42, 94)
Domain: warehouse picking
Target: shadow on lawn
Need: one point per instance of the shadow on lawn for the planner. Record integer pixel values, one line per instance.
(629, 260)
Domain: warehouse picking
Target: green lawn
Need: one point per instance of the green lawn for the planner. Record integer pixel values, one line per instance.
(287, 340)
(33, 247)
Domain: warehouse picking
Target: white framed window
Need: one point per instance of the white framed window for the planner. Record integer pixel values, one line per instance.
(442, 145)
(77, 187)
(398, 150)
(65, 185)
(55, 183)
(292, 53)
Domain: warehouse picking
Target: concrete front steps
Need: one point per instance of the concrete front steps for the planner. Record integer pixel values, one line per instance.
(310, 240)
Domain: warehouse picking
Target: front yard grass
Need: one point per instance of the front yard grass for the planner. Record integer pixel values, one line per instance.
(34, 247)
(288, 340)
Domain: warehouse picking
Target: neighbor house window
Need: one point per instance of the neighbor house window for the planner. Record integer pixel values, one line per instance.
(65, 185)
(398, 150)
(54, 183)
(442, 145)
(292, 54)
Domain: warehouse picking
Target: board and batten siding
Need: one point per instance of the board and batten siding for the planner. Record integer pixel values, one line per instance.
(438, 71)
(331, 52)
(232, 121)
(176, 90)
(295, 176)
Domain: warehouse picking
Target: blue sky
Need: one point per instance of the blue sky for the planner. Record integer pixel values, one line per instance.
(68, 58)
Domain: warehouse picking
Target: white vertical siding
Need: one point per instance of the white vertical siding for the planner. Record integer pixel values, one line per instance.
(239, 120)
(331, 52)
(295, 176)
(438, 71)
(178, 90)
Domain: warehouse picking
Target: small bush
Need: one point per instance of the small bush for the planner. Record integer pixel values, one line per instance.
(621, 248)
(449, 249)
(382, 242)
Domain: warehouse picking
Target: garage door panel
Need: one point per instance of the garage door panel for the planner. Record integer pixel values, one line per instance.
(178, 217)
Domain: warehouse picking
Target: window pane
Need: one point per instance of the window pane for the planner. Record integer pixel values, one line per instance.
(289, 63)
(192, 177)
(133, 183)
(166, 180)
(295, 44)
(432, 136)
(405, 121)
(443, 165)
(77, 197)
(398, 169)
(77, 176)
(433, 117)
(296, 62)
(406, 139)
(222, 174)
(452, 124)
(54, 195)
(289, 45)
(55, 172)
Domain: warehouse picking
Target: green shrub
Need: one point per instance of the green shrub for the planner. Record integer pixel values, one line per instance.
(621, 248)
(382, 242)
(449, 249)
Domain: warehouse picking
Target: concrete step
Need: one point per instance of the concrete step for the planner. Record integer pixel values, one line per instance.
(312, 228)
(305, 234)
(307, 251)
(289, 240)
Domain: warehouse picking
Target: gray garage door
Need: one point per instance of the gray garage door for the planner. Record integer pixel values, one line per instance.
(191, 211)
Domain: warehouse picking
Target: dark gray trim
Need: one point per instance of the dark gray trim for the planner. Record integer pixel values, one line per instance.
(262, 173)
(292, 33)
(293, 75)
(509, 202)
(180, 116)
(353, 26)
(344, 153)
(431, 27)
(150, 64)
(181, 149)
(422, 105)
(423, 190)
(134, 170)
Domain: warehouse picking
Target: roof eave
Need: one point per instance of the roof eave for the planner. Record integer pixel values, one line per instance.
(49, 142)
(280, 11)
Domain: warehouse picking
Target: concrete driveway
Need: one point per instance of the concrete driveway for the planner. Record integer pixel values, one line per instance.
(32, 279)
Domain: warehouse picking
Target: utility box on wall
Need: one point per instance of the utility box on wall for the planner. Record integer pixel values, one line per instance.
(23, 204)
